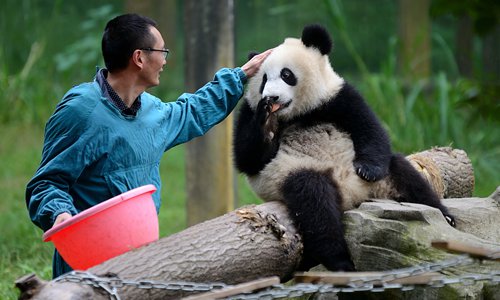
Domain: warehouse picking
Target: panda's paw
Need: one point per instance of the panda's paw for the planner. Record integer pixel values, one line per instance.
(263, 112)
(369, 171)
(450, 219)
(267, 120)
(338, 262)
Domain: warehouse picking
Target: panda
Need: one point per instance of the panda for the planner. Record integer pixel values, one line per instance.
(306, 137)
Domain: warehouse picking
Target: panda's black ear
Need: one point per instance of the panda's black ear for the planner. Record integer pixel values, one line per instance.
(318, 37)
(251, 54)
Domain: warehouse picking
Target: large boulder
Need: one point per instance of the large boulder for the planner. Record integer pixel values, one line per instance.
(384, 235)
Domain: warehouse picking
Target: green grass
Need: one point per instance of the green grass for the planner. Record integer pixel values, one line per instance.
(21, 247)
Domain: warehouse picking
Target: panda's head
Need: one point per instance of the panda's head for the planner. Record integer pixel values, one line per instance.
(297, 76)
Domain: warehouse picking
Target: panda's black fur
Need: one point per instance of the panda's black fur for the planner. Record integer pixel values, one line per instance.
(307, 138)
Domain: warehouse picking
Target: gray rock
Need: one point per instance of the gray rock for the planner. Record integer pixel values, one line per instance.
(384, 235)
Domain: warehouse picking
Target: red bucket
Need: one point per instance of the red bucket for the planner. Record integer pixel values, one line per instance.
(111, 228)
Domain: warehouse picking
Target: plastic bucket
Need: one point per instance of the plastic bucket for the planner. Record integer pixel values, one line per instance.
(111, 228)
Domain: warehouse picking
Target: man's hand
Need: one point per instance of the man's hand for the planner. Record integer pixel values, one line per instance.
(61, 218)
(253, 65)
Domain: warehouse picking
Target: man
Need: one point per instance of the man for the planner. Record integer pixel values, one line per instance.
(107, 136)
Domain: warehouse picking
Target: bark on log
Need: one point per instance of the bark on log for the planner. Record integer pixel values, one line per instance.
(249, 243)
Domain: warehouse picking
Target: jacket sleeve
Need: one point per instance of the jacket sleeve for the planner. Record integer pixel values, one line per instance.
(192, 115)
(47, 193)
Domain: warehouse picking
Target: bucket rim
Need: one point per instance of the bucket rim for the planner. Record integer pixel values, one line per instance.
(149, 188)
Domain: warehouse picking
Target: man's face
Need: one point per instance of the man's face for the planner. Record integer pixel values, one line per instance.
(154, 61)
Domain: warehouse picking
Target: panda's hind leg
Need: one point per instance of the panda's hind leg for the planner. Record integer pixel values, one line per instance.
(314, 204)
(412, 187)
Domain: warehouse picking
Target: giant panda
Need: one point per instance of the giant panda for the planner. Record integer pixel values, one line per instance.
(306, 137)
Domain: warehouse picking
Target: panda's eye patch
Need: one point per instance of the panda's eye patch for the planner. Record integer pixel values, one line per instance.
(288, 76)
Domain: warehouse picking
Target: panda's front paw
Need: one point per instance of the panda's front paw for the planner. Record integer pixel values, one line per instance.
(368, 171)
(267, 120)
(263, 112)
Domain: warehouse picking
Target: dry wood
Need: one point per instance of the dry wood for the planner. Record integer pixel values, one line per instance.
(236, 289)
(249, 243)
(458, 247)
(448, 170)
(343, 278)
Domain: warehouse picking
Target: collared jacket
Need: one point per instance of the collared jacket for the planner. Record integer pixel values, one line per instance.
(93, 152)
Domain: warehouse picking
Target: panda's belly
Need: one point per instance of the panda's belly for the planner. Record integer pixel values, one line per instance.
(322, 148)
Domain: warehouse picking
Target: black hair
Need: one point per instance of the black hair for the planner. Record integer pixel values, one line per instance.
(122, 36)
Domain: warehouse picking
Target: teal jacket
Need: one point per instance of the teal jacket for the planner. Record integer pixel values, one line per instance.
(92, 152)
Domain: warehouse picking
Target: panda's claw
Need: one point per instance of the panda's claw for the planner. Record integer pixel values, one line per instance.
(263, 111)
(450, 220)
(368, 171)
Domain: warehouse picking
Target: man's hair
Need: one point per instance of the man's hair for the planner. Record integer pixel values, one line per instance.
(122, 36)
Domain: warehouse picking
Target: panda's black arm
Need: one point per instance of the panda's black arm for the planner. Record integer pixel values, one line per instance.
(251, 150)
(350, 113)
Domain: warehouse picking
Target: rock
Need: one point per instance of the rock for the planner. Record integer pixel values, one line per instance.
(384, 235)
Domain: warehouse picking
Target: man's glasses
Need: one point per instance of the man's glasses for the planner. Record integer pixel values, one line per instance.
(165, 52)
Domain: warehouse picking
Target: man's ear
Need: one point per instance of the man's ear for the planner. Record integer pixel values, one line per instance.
(251, 54)
(137, 58)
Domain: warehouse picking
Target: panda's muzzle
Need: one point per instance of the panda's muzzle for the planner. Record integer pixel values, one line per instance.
(274, 103)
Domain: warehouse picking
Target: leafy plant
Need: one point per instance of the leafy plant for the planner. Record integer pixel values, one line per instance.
(85, 50)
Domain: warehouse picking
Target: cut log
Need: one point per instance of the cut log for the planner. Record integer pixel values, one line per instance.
(252, 242)
(448, 170)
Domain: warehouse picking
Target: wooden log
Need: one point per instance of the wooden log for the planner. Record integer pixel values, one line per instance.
(473, 251)
(252, 242)
(448, 170)
(237, 289)
(343, 278)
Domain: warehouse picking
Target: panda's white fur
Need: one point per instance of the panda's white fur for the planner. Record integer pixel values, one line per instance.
(305, 137)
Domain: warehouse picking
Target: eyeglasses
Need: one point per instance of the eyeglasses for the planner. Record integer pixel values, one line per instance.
(165, 52)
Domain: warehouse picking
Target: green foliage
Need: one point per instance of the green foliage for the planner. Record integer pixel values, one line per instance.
(485, 14)
(338, 19)
(17, 94)
(38, 68)
(432, 113)
(85, 50)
